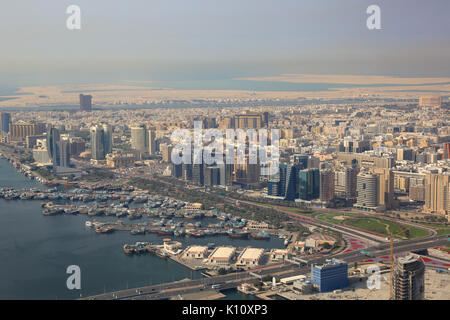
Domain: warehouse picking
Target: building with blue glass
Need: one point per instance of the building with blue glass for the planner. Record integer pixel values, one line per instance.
(308, 184)
(277, 184)
(330, 276)
(301, 159)
(291, 185)
(5, 120)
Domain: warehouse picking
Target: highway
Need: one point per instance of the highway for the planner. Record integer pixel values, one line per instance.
(380, 248)
(340, 228)
(167, 290)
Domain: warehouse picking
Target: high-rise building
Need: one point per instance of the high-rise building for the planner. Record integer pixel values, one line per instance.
(430, 101)
(177, 170)
(101, 141)
(226, 123)
(30, 141)
(313, 162)
(417, 192)
(289, 185)
(345, 183)
(308, 184)
(107, 129)
(226, 173)
(330, 276)
(53, 138)
(280, 177)
(166, 152)
(437, 193)
(385, 187)
(5, 120)
(273, 188)
(301, 159)
(326, 185)
(408, 279)
(85, 102)
(246, 173)
(186, 171)
(64, 153)
(266, 118)
(212, 176)
(367, 190)
(58, 149)
(284, 182)
(40, 153)
(249, 120)
(405, 154)
(77, 145)
(20, 130)
(207, 122)
(151, 142)
(446, 154)
(139, 138)
(198, 174)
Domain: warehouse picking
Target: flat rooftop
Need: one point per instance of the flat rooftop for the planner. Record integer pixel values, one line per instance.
(330, 263)
(223, 253)
(251, 254)
(197, 249)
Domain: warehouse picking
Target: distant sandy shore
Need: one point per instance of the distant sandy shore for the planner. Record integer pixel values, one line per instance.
(110, 95)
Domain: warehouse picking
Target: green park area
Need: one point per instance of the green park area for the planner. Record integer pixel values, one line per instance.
(380, 226)
(440, 228)
(375, 225)
(443, 231)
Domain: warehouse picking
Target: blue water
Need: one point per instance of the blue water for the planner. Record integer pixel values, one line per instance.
(36, 250)
(251, 85)
(214, 84)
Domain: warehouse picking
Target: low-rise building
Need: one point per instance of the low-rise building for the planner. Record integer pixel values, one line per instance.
(222, 255)
(120, 160)
(196, 252)
(172, 246)
(278, 254)
(250, 257)
(193, 206)
(256, 225)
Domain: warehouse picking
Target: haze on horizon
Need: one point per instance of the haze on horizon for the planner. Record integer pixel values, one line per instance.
(144, 40)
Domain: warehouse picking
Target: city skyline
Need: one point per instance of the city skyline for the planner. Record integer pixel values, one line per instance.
(225, 150)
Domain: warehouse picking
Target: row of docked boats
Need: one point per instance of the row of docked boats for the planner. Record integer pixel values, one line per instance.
(89, 196)
(50, 209)
(165, 227)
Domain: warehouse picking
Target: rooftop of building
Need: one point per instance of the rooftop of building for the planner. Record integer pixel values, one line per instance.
(197, 249)
(223, 253)
(251, 254)
(330, 263)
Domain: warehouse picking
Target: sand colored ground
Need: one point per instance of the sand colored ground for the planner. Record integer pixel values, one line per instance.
(107, 95)
(347, 79)
(341, 217)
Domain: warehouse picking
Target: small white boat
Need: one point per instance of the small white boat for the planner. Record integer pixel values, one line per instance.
(88, 224)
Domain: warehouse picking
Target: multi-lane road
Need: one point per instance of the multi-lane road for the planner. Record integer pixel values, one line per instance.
(167, 290)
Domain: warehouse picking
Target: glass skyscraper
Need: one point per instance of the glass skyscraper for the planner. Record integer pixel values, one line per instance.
(309, 184)
(101, 141)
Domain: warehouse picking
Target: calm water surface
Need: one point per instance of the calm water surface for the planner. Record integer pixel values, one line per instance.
(36, 250)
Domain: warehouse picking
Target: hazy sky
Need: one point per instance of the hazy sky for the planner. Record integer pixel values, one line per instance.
(212, 39)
